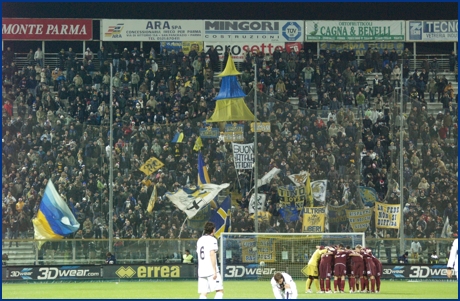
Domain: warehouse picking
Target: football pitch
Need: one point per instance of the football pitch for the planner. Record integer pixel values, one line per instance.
(232, 290)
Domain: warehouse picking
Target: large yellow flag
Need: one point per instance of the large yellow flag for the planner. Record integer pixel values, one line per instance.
(153, 199)
(308, 192)
(151, 165)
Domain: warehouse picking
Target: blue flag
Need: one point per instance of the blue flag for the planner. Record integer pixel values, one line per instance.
(368, 195)
(289, 213)
(221, 215)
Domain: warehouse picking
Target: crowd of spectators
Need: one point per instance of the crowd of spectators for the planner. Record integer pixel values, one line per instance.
(348, 134)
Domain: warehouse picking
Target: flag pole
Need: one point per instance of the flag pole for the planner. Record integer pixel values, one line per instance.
(111, 164)
(256, 176)
(402, 242)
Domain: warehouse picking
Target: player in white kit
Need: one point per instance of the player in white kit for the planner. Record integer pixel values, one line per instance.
(284, 286)
(209, 278)
(453, 260)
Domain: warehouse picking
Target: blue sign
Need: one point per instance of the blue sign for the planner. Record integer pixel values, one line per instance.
(234, 128)
(291, 31)
(209, 133)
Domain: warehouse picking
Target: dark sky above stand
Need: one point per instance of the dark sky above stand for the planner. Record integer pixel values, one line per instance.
(235, 10)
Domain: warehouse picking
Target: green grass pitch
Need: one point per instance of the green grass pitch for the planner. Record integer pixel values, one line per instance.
(232, 290)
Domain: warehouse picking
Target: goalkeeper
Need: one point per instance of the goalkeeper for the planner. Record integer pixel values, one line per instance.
(312, 268)
(283, 286)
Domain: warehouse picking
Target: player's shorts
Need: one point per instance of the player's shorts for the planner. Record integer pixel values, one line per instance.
(207, 284)
(312, 270)
(357, 269)
(370, 270)
(340, 270)
(349, 270)
(325, 271)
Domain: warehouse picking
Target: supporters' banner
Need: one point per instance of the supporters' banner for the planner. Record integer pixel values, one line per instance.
(318, 189)
(387, 216)
(293, 47)
(267, 177)
(360, 48)
(253, 30)
(198, 144)
(432, 31)
(151, 165)
(233, 136)
(191, 201)
(178, 137)
(54, 220)
(261, 127)
(354, 30)
(234, 127)
(240, 49)
(359, 219)
(209, 133)
(151, 30)
(169, 46)
(260, 249)
(243, 155)
(47, 29)
(292, 195)
(264, 216)
(368, 195)
(337, 214)
(313, 220)
(289, 213)
(261, 198)
(221, 215)
(300, 178)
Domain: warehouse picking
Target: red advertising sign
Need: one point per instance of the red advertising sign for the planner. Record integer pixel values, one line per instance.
(47, 29)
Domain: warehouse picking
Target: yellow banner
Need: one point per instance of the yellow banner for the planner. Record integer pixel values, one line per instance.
(289, 195)
(233, 136)
(260, 249)
(187, 46)
(387, 216)
(359, 219)
(151, 165)
(262, 127)
(313, 220)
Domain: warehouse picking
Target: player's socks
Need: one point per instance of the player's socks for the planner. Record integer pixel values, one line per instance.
(352, 284)
(316, 284)
(357, 284)
(308, 284)
(336, 284)
(342, 285)
(321, 284)
(377, 282)
(349, 283)
(373, 285)
(219, 295)
(289, 294)
(203, 297)
(363, 284)
(328, 284)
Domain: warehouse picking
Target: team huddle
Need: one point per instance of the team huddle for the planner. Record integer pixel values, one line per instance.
(362, 269)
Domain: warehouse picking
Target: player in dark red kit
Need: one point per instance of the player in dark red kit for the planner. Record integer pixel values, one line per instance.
(378, 269)
(325, 270)
(370, 269)
(340, 268)
(351, 284)
(357, 268)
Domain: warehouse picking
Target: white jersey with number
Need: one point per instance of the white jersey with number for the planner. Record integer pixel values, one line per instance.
(279, 291)
(204, 246)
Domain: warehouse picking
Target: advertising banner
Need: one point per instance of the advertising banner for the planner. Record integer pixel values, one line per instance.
(253, 30)
(314, 219)
(354, 31)
(360, 48)
(243, 155)
(47, 29)
(151, 30)
(256, 250)
(248, 271)
(134, 271)
(432, 31)
(422, 271)
(240, 49)
(52, 272)
(387, 216)
(359, 219)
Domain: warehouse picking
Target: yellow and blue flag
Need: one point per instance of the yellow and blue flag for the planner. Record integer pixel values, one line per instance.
(153, 199)
(198, 144)
(221, 216)
(289, 213)
(368, 195)
(308, 192)
(178, 137)
(203, 176)
(54, 219)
